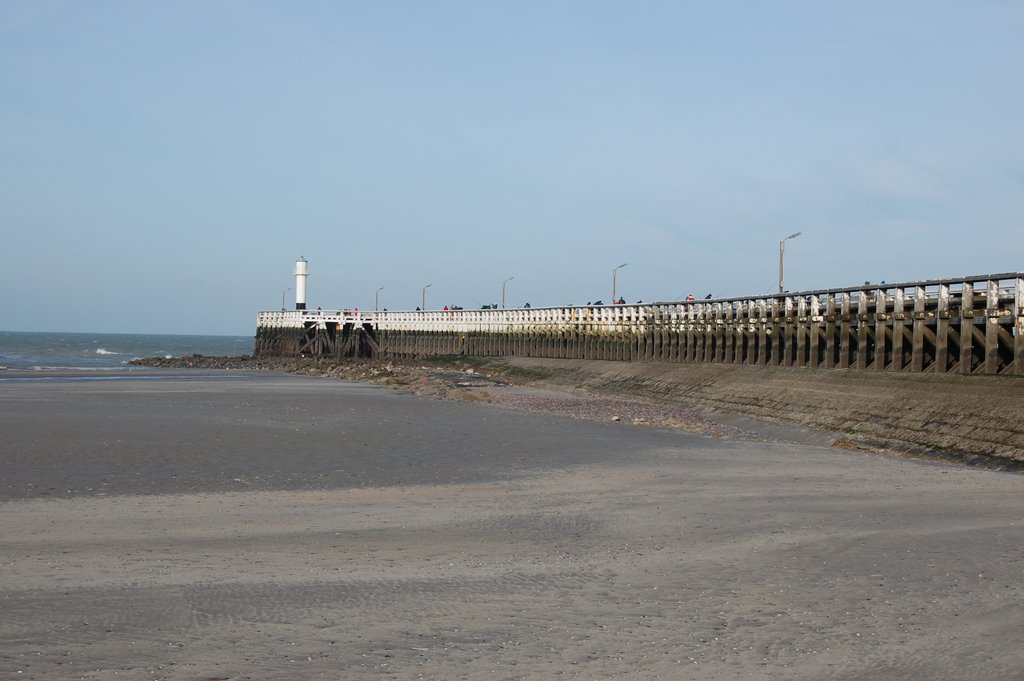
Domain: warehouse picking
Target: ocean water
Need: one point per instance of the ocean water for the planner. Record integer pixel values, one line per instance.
(25, 350)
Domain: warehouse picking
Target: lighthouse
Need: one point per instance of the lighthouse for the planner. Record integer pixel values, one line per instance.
(301, 272)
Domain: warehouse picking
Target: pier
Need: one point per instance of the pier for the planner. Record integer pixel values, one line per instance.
(967, 325)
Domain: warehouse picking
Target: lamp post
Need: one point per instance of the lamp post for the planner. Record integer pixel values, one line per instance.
(614, 276)
(503, 291)
(782, 259)
(424, 303)
(376, 299)
(282, 296)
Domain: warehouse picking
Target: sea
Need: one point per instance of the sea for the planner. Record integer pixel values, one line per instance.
(106, 351)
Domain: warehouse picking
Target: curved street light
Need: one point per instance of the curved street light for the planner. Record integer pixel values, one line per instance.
(614, 273)
(782, 257)
(424, 303)
(376, 299)
(282, 296)
(503, 291)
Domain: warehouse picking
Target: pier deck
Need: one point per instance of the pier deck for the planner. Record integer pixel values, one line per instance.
(968, 325)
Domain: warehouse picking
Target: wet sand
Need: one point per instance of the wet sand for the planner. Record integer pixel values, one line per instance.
(202, 525)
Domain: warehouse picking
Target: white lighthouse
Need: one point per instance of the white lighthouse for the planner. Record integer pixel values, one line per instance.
(301, 272)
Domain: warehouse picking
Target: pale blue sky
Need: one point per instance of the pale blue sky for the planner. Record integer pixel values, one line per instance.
(162, 165)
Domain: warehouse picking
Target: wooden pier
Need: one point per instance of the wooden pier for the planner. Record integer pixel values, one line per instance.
(970, 325)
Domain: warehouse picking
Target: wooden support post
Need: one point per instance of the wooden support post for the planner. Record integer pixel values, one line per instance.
(684, 336)
(1018, 328)
(691, 340)
(814, 332)
(709, 334)
(678, 350)
(680, 342)
(612, 336)
(739, 343)
(643, 337)
(747, 336)
(663, 344)
(698, 339)
(688, 341)
(663, 336)
(880, 322)
(830, 331)
(727, 336)
(845, 331)
(899, 317)
(966, 328)
(788, 332)
(648, 332)
(608, 337)
(702, 340)
(942, 331)
(615, 335)
(992, 314)
(734, 330)
(778, 326)
(763, 335)
(862, 330)
(744, 337)
(656, 342)
(668, 327)
(744, 341)
(920, 323)
(676, 341)
(801, 321)
(696, 334)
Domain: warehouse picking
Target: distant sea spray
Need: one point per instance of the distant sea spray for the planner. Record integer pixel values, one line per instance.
(41, 350)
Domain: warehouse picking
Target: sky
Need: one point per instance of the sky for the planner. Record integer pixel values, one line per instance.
(163, 165)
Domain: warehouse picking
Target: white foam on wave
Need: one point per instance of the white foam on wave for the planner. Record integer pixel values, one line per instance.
(101, 351)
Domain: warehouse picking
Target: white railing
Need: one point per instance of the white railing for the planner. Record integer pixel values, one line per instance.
(993, 294)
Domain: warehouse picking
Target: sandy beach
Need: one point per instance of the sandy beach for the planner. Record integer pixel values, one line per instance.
(256, 525)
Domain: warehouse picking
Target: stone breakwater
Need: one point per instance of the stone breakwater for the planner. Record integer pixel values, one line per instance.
(975, 419)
